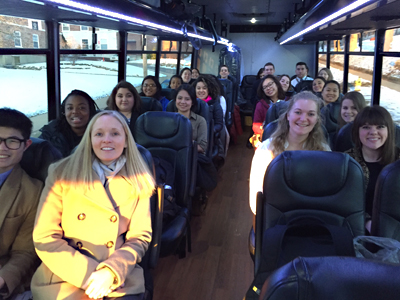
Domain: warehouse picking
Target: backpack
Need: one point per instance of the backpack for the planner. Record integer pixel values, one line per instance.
(165, 175)
(305, 236)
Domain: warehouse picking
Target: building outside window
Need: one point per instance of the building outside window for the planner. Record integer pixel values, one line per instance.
(35, 25)
(17, 39)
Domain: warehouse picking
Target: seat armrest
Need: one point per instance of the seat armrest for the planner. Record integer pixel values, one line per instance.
(157, 227)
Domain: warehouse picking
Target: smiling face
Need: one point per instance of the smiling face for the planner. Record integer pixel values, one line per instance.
(317, 85)
(201, 90)
(330, 93)
(77, 113)
(183, 102)
(323, 74)
(373, 137)
(302, 117)
(175, 83)
(124, 100)
(186, 76)
(9, 158)
(224, 72)
(108, 139)
(348, 110)
(285, 83)
(149, 88)
(269, 87)
(269, 70)
(195, 74)
(301, 71)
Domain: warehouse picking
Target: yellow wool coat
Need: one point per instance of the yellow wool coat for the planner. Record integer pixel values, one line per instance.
(78, 231)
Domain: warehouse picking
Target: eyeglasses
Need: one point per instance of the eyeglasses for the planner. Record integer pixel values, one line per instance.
(268, 85)
(12, 143)
(151, 85)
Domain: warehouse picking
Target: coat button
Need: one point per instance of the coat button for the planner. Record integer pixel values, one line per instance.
(113, 218)
(79, 245)
(81, 217)
(109, 244)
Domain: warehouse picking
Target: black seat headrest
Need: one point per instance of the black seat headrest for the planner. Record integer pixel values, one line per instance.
(38, 157)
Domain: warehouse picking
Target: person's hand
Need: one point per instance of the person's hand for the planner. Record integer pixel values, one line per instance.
(99, 284)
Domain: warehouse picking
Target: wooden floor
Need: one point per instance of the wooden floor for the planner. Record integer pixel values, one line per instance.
(219, 266)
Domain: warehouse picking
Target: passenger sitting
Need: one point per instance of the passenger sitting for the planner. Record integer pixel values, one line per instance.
(125, 99)
(185, 102)
(195, 73)
(286, 86)
(318, 85)
(207, 90)
(19, 195)
(175, 82)
(298, 129)
(186, 75)
(352, 103)
(269, 92)
(330, 92)
(374, 138)
(326, 74)
(152, 88)
(301, 73)
(93, 223)
(66, 132)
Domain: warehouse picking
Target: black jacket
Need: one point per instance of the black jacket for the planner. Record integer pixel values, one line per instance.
(217, 113)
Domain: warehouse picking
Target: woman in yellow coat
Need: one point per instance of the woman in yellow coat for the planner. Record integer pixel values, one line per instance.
(93, 222)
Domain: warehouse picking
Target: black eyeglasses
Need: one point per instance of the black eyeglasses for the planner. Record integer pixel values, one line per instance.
(12, 143)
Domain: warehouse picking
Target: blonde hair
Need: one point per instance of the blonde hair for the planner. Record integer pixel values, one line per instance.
(315, 139)
(77, 168)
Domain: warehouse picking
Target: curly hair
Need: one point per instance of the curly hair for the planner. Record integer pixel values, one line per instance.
(210, 83)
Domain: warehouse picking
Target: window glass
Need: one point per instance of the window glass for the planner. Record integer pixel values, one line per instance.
(360, 75)
(30, 72)
(392, 40)
(368, 41)
(170, 46)
(186, 61)
(321, 61)
(355, 40)
(187, 47)
(107, 39)
(168, 66)
(74, 37)
(390, 89)
(336, 67)
(20, 32)
(96, 74)
(151, 43)
(337, 45)
(134, 41)
(138, 67)
(322, 46)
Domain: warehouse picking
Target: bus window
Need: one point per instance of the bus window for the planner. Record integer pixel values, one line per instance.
(322, 46)
(151, 43)
(368, 41)
(390, 88)
(186, 60)
(168, 66)
(337, 45)
(336, 67)
(321, 61)
(360, 75)
(75, 37)
(392, 40)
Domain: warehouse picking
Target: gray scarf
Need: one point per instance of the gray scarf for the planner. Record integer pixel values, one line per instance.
(106, 173)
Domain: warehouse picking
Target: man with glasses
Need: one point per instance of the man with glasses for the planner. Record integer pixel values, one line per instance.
(19, 197)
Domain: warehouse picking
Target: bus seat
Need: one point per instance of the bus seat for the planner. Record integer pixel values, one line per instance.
(246, 88)
(202, 110)
(344, 139)
(150, 259)
(150, 104)
(168, 93)
(275, 110)
(344, 278)
(330, 114)
(291, 191)
(38, 157)
(165, 84)
(304, 85)
(229, 100)
(386, 208)
(169, 136)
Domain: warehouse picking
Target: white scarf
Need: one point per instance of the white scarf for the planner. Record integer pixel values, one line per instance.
(106, 173)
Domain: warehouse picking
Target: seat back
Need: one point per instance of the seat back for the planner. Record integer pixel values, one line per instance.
(275, 110)
(38, 157)
(386, 208)
(169, 136)
(168, 93)
(150, 104)
(246, 87)
(304, 85)
(331, 278)
(229, 100)
(330, 114)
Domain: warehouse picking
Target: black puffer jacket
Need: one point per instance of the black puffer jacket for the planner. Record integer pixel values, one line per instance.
(217, 113)
(52, 133)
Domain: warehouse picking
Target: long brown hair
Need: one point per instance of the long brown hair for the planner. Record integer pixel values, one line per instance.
(358, 101)
(260, 91)
(111, 103)
(315, 140)
(376, 115)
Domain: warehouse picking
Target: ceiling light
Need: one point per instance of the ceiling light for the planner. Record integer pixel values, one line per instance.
(331, 17)
(253, 20)
(33, 1)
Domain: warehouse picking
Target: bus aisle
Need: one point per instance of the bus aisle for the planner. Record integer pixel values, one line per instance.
(219, 266)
